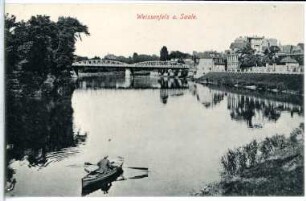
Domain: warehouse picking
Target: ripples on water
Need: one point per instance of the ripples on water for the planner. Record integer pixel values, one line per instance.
(177, 129)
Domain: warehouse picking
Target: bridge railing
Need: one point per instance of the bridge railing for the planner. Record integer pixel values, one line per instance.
(99, 62)
(110, 63)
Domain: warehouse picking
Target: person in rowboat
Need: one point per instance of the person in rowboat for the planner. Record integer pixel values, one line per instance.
(104, 165)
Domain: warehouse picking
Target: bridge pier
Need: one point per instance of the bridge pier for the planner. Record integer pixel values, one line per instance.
(129, 72)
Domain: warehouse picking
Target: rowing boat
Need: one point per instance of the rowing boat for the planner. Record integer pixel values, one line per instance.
(94, 178)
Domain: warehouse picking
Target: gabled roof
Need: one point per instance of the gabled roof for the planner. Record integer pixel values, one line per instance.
(288, 60)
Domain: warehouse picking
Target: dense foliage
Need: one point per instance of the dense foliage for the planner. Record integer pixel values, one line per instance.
(40, 45)
(164, 55)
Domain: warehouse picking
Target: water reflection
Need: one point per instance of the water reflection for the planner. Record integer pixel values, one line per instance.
(253, 110)
(40, 131)
(207, 97)
(168, 86)
(117, 81)
(90, 121)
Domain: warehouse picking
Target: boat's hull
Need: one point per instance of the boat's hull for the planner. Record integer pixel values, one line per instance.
(92, 182)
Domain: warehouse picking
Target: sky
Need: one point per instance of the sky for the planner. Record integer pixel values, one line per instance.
(115, 29)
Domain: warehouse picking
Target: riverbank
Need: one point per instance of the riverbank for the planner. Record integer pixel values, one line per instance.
(284, 83)
(27, 84)
(273, 167)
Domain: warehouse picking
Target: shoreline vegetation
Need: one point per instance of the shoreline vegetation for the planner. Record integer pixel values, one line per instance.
(39, 54)
(38, 61)
(279, 83)
(274, 166)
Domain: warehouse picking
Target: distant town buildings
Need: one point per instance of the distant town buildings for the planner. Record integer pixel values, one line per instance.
(268, 56)
(257, 43)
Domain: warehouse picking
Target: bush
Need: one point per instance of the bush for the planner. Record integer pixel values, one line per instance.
(229, 163)
(296, 135)
(278, 141)
(251, 151)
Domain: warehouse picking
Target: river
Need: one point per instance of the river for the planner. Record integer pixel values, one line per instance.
(176, 128)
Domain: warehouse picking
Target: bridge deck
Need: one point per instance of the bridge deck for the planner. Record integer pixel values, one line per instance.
(140, 65)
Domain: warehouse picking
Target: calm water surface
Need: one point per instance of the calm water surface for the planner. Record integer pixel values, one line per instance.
(177, 129)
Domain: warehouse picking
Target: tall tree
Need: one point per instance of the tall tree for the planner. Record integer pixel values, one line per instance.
(40, 45)
(164, 56)
(135, 57)
(69, 30)
(42, 33)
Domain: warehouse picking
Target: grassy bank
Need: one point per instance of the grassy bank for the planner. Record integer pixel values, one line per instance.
(274, 166)
(281, 82)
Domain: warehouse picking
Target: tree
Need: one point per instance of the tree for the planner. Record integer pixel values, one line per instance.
(42, 33)
(164, 56)
(270, 54)
(135, 57)
(299, 59)
(179, 55)
(40, 45)
(239, 44)
(301, 45)
(69, 30)
(96, 58)
(11, 56)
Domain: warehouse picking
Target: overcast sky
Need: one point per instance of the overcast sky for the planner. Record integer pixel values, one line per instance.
(115, 29)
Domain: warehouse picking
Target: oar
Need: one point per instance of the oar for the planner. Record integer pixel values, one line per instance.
(139, 168)
(88, 163)
(136, 168)
(139, 176)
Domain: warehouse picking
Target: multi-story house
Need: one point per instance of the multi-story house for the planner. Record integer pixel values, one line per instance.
(256, 43)
(233, 64)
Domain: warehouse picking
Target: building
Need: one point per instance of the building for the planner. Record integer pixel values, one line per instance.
(268, 42)
(218, 64)
(210, 63)
(239, 43)
(287, 65)
(256, 43)
(232, 62)
(189, 62)
(291, 65)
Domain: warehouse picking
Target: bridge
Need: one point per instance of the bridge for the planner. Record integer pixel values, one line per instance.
(161, 66)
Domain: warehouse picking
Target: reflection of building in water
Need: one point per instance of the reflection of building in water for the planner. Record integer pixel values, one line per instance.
(172, 87)
(256, 111)
(172, 83)
(165, 93)
(207, 96)
(164, 96)
(253, 110)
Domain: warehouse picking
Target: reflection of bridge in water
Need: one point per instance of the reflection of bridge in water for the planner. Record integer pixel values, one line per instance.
(94, 66)
(139, 82)
(169, 87)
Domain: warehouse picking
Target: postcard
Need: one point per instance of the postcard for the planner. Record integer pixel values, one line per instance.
(154, 99)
